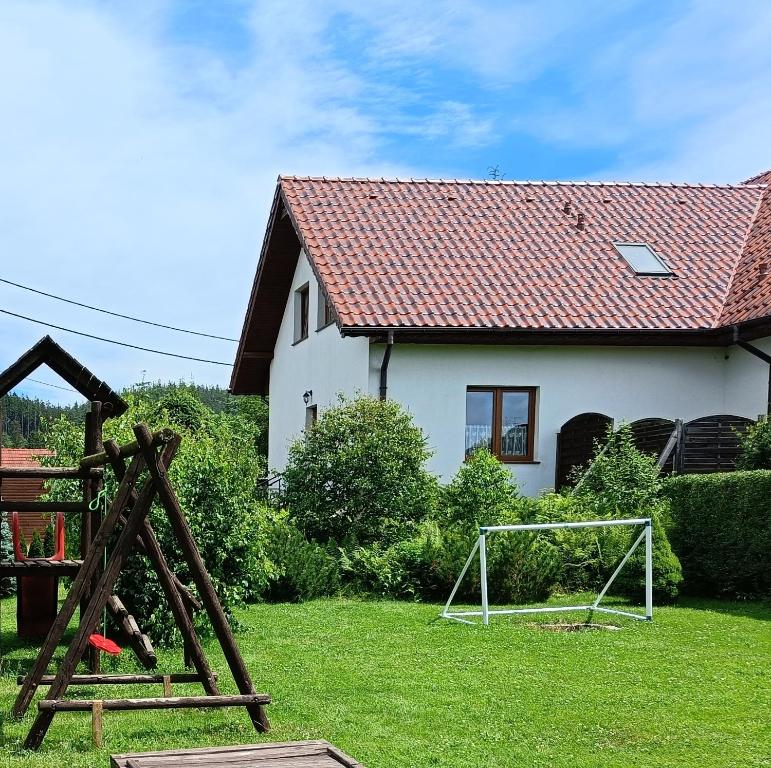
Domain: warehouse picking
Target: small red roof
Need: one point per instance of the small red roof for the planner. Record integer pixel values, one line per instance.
(22, 457)
(514, 257)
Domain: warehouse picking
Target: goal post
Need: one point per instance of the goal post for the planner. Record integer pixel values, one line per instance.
(480, 546)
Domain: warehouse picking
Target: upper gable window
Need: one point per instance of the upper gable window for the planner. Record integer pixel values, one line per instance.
(301, 305)
(642, 259)
(325, 314)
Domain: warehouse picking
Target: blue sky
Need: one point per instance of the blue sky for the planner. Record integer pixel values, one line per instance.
(140, 142)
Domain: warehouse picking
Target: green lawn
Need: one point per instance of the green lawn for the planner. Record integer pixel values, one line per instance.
(395, 688)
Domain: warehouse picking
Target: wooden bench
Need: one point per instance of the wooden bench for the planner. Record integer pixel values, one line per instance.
(295, 754)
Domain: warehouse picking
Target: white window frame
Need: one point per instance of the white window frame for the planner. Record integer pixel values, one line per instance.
(481, 547)
(665, 271)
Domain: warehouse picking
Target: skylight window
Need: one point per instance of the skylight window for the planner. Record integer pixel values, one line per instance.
(642, 259)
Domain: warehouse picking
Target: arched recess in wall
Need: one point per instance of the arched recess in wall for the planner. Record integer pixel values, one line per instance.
(711, 444)
(651, 436)
(575, 443)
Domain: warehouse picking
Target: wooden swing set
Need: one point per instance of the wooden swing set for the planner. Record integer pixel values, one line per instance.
(141, 469)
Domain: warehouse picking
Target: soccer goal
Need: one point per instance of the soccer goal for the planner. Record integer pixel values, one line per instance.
(481, 547)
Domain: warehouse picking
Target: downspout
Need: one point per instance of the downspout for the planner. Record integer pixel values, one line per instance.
(747, 347)
(384, 366)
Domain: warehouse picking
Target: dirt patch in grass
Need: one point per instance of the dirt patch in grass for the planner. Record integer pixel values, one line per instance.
(580, 626)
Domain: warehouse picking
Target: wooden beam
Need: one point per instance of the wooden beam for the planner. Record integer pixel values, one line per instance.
(161, 437)
(121, 679)
(176, 702)
(42, 506)
(53, 473)
(97, 732)
(38, 566)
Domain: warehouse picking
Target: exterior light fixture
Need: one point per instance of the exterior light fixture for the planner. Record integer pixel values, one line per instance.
(307, 395)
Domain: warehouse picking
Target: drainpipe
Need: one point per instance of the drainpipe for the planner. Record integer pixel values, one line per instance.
(747, 347)
(384, 366)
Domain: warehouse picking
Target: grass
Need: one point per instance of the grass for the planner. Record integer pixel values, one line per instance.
(395, 688)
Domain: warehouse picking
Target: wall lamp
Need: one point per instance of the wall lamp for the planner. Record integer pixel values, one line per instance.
(307, 395)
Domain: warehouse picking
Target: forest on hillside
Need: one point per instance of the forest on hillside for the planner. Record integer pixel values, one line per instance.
(22, 418)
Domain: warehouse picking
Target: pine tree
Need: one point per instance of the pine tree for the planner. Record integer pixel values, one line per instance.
(48, 541)
(36, 547)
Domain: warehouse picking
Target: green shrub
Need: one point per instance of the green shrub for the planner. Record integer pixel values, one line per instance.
(621, 481)
(359, 474)
(36, 546)
(721, 531)
(49, 543)
(480, 493)
(301, 569)
(7, 583)
(755, 446)
(181, 408)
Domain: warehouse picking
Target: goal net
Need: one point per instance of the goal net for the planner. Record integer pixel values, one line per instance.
(480, 546)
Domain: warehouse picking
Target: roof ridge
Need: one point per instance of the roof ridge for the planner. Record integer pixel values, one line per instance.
(522, 182)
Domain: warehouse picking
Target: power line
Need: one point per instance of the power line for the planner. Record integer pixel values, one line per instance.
(114, 314)
(113, 341)
(55, 386)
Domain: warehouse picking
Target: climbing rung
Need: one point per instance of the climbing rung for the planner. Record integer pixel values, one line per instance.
(174, 702)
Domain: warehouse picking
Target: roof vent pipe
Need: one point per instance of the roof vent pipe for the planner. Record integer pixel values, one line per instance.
(384, 366)
(566, 207)
(581, 223)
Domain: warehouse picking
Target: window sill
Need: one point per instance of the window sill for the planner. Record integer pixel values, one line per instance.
(299, 341)
(322, 327)
(518, 461)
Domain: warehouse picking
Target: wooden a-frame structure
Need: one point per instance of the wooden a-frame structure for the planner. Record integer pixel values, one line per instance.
(128, 514)
(93, 584)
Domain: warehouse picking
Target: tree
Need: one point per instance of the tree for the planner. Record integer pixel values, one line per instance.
(359, 473)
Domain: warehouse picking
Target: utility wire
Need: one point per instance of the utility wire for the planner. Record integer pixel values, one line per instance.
(114, 314)
(113, 341)
(55, 386)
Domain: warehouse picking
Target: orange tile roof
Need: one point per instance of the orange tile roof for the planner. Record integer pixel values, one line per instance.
(508, 255)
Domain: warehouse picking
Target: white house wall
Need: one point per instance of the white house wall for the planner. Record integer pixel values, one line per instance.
(623, 382)
(324, 363)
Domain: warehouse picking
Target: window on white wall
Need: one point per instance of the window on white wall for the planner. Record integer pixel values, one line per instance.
(301, 305)
(325, 315)
(502, 420)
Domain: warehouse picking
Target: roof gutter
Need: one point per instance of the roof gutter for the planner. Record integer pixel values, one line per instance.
(759, 353)
(384, 366)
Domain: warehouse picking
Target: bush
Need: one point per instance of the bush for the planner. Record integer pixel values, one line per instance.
(621, 480)
(755, 446)
(480, 493)
(721, 531)
(36, 546)
(7, 583)
(359, 474)
(301, 569)
(214, 476)
(49, 543)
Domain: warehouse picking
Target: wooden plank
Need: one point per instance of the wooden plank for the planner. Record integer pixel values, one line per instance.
(122, 679)
(190, 552)
(61, 473)
(41, 506)
(37, 566)
(306, 753)
(174, 702)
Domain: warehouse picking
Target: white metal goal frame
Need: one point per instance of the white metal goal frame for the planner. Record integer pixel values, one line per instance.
(481, 547)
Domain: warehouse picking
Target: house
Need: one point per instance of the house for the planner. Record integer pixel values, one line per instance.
(496, 311)
(25, 488)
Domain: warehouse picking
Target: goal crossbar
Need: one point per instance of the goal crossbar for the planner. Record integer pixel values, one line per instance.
(480, 546)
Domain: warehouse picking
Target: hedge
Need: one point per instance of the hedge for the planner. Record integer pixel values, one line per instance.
(721, 531)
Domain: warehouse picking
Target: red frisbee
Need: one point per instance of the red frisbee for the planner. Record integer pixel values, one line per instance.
(104, 644)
